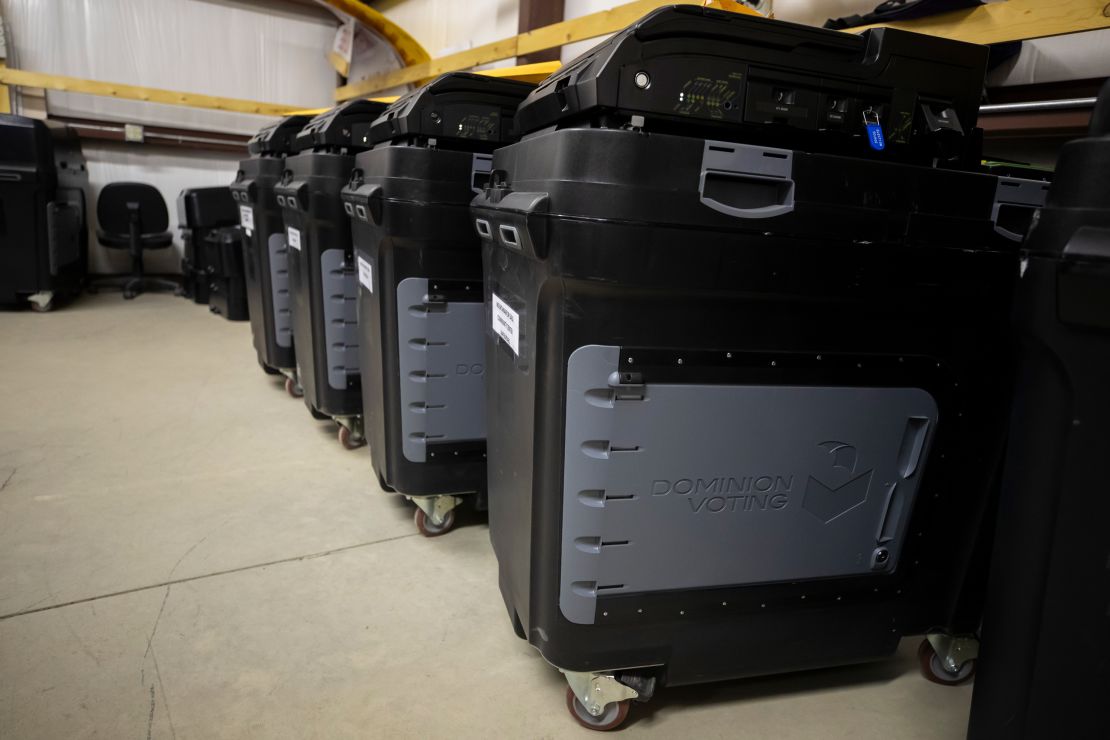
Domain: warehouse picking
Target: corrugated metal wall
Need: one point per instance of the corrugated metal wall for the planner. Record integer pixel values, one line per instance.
(260, 50)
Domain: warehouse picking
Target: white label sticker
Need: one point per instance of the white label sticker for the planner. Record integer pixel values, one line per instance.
(294, 238)
(246, 217)
(366, 273)
(506, 323)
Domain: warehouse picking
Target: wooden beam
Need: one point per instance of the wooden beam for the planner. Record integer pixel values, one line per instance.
(1013, 20)
(146, 94)
(408, 48)
(537, 14)
(535, 72)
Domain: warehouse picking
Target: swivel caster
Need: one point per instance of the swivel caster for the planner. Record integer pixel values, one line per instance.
(428, 528)
(598, 701)
(949, 661)
(348, 440)
(293, 389)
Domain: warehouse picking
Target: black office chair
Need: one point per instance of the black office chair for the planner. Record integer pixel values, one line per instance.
(133, 216)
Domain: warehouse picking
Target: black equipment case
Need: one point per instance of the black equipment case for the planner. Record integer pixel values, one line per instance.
(322, 278)
(227, 284)
(265, 253)
(201, 212)
(1045, 667)
(749, 391)
(43, 228)
(420, 313)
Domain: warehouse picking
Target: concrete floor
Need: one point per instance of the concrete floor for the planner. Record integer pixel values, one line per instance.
(185, 553)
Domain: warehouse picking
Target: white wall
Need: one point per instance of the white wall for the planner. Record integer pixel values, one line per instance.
(444, 27)
(266, 50)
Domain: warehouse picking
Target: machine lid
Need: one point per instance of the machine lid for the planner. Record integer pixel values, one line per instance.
(457, 105)
(277, 138)
(344, 126)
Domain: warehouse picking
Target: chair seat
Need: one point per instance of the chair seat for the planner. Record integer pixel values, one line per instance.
(123, 241)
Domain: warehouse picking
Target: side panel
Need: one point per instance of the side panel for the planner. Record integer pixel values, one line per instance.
(340, 299)
(685, 486)
(279, 294)
(442, 368)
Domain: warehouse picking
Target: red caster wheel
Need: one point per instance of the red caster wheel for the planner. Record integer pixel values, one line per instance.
(349, 442)
(932, 667)
(293, 389)
(613, 717)
(429, 529)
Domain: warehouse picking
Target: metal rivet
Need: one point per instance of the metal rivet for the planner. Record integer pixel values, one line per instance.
(642, 80)
(679, 360)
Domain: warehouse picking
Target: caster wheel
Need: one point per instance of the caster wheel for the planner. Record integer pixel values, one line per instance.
(293, 389)
(42, 307)
(428, 529)
(933, 668)
(613, 717)
(128, 295)
(347, 440)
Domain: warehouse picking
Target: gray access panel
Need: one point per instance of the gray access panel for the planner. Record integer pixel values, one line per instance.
(442, 366)
(279, 294)
(672, 486)
(340, 296)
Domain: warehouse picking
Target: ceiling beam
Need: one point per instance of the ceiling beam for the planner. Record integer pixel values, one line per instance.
(62, 83)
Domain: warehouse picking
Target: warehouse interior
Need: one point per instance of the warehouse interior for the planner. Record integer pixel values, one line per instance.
(316, 403)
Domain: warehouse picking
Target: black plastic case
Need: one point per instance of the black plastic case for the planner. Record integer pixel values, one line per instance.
(678, 305)
(44, 240)
(201, 212)
(322, 280)
(227, 281)
(265, 253)
(420, 271)
(1045, 659)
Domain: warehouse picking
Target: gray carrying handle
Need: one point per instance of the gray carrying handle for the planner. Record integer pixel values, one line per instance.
(746, 181)
(1016, 191)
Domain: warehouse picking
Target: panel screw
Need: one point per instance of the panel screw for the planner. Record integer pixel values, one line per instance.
(642, 80)
(679, 360)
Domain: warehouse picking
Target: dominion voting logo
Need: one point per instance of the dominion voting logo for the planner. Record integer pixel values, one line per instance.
(840, 490)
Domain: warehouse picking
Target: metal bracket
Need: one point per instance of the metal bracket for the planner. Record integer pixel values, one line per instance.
(954, 651)
(436, 508)
(41, 299)
(598, 690)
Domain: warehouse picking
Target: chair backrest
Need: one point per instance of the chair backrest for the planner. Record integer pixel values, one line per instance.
(113, 208)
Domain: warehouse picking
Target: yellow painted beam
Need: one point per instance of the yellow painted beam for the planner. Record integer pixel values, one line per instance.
(535, 72)
(146, 94)
(5, 93)
(408, 48)
(1013, 20)
(549, 37)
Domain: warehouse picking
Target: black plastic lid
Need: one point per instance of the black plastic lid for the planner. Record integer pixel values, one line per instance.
(700, 66)
(344, 126)
(457, 105)
(277, 138)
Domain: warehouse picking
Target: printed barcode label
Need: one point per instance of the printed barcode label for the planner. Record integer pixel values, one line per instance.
(506, 323)
(366, 273)
(294, 238)
(246, 217)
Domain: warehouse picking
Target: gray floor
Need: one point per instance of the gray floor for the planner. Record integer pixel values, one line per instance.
(185, 553)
